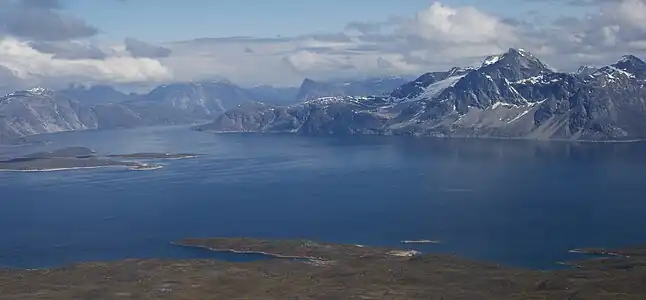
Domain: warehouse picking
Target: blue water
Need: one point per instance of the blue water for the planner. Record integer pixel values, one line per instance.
(513, 202)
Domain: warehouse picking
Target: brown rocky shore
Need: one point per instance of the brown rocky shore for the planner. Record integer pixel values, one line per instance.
(314, 270)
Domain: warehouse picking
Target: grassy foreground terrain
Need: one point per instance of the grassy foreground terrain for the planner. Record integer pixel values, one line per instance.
(312, 270)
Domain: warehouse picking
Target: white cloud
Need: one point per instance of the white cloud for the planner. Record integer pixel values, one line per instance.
(437, 37)
(304, 60)
(466, 24)
(628, 13)
(35, 67)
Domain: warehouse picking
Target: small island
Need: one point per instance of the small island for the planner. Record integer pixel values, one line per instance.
(145, 167)
(420, 242)
(74, 158)
(148, 155)
(305, 269)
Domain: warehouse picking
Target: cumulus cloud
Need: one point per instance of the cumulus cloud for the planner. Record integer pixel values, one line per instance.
(441, 23)
(40, 44)
(437, 37)
(35, 67)
(615, 28)
(628, 13)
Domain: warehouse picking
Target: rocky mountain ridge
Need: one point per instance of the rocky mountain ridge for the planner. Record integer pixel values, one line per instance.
(511, 95)
(39, 110)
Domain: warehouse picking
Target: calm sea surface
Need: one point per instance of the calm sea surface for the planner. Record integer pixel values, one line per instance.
(513, 202)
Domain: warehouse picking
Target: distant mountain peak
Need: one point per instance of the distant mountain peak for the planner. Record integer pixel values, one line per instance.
(631, 59)
(308, 82)
(519, 54)
(519, 51)
(629, 65)
(37, 90)
(516, 56)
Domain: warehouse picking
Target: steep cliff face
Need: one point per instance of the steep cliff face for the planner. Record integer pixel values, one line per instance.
(311, 90)
(39, 110)
(511, 95)
(202, 99)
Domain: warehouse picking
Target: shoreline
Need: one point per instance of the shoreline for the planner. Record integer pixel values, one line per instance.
(347, 272)
(395, 252)
(420, 242)
(278, 256)
(597, 252)
(62, 169)
(129, 168)
(628, 141)
(146, 168)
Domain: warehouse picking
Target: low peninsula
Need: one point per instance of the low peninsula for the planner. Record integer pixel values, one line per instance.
(302, 269)
(73, 158)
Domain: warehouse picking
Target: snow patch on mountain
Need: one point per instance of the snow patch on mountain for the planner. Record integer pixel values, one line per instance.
(490, 60)
(438, 87)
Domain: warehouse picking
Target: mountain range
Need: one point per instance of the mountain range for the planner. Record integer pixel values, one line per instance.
(39, 110)
(509, 95)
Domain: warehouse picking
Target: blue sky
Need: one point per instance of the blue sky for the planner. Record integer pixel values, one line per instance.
(167, 20)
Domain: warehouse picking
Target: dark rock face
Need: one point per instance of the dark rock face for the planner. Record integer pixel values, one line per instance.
(511, 95)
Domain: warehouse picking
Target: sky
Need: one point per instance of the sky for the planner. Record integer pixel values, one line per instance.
(188, 19)
(54, 43)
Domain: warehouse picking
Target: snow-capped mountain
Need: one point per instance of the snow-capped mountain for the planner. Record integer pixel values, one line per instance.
(628, 67)
(510, 95)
